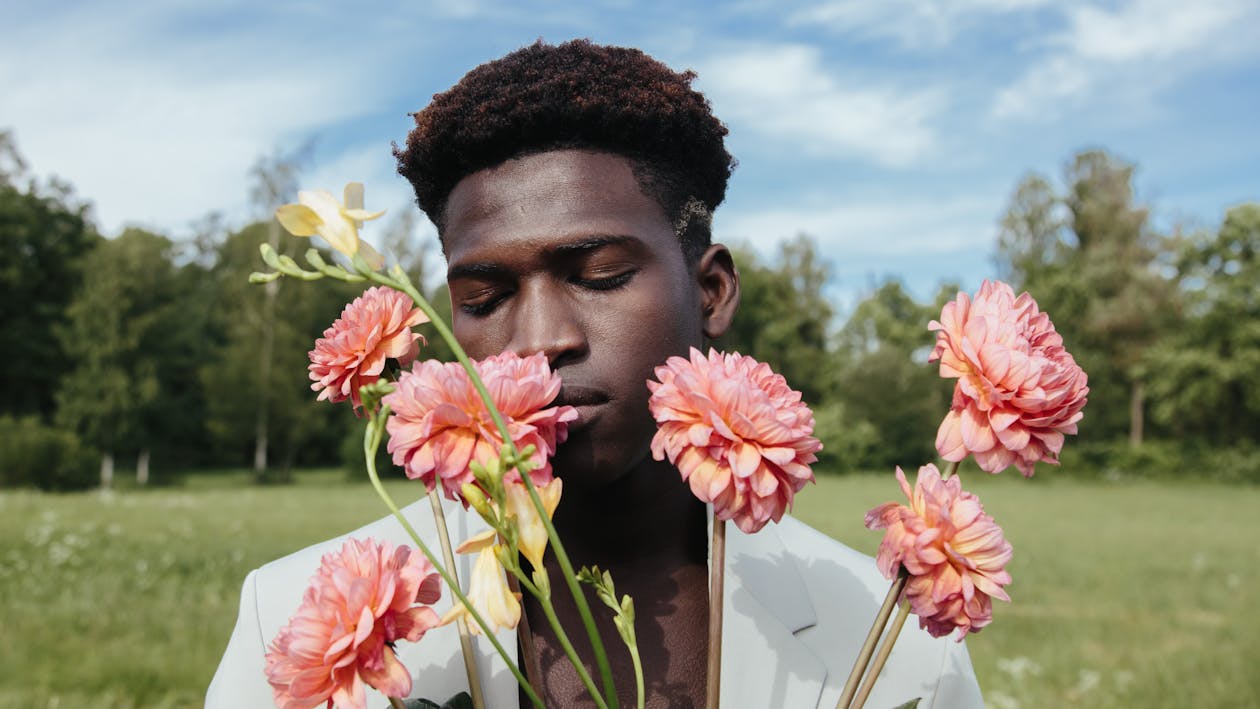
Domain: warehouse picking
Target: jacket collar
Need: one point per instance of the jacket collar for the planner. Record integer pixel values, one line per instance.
(766, 603)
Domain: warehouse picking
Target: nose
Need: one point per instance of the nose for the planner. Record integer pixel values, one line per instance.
(546, 320)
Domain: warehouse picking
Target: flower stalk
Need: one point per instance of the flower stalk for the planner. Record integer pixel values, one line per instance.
(872, 638)
(465, 639)
(717, 579)
(885, 649)
(398, 279)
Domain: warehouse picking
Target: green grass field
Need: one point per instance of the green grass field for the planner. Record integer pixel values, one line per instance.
(1124, 593)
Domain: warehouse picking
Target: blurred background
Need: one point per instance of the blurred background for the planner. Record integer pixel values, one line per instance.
(158, 437)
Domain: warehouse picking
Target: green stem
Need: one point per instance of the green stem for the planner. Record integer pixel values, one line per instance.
(397, 703)
(638, 672)
(554, 621)
(872, 638)
(399, 281)
(372, 441)
(951, 470)
(885, 649)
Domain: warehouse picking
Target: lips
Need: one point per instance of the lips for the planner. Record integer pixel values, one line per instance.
(579, 396)
(586, 400)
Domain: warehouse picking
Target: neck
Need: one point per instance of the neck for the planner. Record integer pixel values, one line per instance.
(647, 516)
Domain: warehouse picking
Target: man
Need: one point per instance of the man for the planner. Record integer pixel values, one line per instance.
(573, 188)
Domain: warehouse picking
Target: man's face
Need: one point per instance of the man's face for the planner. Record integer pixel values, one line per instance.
(561, 252)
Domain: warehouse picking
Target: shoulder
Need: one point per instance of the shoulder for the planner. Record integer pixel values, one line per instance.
(825, 561)
(279, 585)
(846, 590)
(273, 592)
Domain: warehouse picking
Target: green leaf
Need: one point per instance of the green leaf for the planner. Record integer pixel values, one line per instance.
(912, 704)
(459, 701)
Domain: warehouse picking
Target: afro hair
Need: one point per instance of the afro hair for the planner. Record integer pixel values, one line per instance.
(576, 95)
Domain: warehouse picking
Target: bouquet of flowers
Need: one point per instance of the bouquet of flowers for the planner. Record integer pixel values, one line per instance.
(483, 432)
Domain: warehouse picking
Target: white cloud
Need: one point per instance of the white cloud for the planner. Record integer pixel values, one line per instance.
(1150, 29)
(158, 126)
(1136, 48)
(922, 242)
(915, 24)
(784, 93)
(883, 228)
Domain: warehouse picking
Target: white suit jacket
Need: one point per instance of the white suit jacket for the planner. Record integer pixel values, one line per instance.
(797, 608)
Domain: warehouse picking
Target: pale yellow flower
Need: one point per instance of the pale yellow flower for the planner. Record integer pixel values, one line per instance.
(319, 212)
(488, 591)
(533, 533)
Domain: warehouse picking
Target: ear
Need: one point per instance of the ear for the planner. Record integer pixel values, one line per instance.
(719, 290)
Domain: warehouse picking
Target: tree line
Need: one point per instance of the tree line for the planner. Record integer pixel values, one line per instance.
(158, 354)
(1167, 325)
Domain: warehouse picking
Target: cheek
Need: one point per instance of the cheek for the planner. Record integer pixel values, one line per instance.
(480, 337)
(658, 320)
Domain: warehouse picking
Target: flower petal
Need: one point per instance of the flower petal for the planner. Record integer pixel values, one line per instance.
(298, 219)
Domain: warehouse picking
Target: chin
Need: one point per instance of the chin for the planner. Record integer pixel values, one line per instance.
(587, 462)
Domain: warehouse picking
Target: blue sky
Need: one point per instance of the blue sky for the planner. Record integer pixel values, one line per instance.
(892, 132)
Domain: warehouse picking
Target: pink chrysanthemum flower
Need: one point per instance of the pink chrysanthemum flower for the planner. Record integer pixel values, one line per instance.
(955, 554)
(360, 602)
(1019, 391)
(736, 431)
(440, 425)
(352, 352)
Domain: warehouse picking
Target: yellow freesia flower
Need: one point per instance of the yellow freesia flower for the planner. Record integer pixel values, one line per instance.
(533, 534)
(488, 591)
(319, 212)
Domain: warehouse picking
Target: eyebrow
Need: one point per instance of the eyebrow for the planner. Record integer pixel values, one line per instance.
(563, 251)
(592, 243)
(467, 270)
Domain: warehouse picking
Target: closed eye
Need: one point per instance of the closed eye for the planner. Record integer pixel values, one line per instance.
(483, 303)
(604, 283)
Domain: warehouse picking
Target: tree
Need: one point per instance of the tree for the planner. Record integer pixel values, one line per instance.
(299, 428)
(275, 183)
(12, 164)
(1130, 302)
(784, 318)
(113, 330)
(44, 234)
(1205, 379)
(1091, 259)
(1030, 237)
(885, 380)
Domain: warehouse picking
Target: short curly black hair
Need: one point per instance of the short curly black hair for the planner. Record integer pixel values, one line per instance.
(576, 95)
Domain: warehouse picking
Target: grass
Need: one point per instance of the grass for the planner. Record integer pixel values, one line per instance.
(1125, 593)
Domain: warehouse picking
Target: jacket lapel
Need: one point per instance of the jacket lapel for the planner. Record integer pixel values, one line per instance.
(764, 664)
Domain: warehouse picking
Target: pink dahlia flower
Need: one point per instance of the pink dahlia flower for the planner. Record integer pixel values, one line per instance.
(955, 554)
(440, 425)
(352, 353)
(1018, 393)
(360, 602)
(736, 431)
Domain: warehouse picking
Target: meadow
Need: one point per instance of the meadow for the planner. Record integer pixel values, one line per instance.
(1125, 593)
